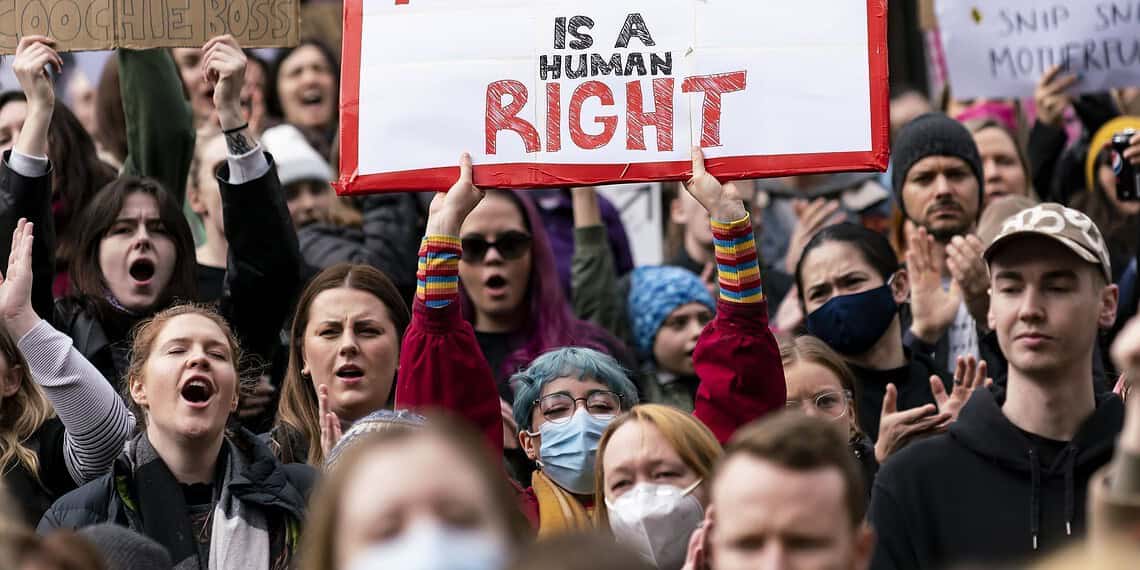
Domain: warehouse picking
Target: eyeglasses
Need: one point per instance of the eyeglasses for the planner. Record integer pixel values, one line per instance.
(559, 407)
(832, 404)
(510, 245)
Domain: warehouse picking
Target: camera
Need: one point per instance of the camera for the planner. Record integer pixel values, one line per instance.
(1127, 175)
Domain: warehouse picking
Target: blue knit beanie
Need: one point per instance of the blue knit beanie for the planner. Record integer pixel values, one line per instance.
(654, 292)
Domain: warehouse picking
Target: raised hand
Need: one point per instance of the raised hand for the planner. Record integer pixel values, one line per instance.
(812, 217)
(587, 213)
(1132, 153)
(724, 202)
(257, 401)
(34, 55)
(698, 554)
(448, 211)
(223, 63)
(790, 314)
(1126, 349)
(969, 374)
(1050, 96)
(330, 423)
(933, 307)
(968, 268)
(16, 284)
(897, 429)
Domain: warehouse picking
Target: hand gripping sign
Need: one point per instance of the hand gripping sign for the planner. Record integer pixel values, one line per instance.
(547, 93)
(139, 24)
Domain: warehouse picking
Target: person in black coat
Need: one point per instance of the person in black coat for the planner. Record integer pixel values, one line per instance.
(1008, 481)
(851, 288)
(213, 497)
(135, 253)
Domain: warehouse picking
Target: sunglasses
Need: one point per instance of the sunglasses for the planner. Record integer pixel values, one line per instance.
(510, 245)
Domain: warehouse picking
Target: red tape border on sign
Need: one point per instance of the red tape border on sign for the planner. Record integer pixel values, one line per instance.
(545, 175)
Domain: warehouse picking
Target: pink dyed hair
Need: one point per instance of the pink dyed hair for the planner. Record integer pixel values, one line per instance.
(549, 324)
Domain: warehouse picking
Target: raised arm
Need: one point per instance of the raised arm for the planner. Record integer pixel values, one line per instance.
(95, 420)
(160, 125)
(25, 176)
(1115, 491)
(593, 273)
(1047, 138)
(441, 365)
(737, 358)
(263, 274)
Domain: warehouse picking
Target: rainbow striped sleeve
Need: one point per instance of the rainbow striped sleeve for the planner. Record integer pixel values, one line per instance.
(737, 264)
(437, 279)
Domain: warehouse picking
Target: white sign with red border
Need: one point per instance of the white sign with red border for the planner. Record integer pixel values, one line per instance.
(547, 93)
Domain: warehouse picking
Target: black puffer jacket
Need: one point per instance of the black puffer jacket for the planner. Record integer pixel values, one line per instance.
(280, 491)
(262, 279)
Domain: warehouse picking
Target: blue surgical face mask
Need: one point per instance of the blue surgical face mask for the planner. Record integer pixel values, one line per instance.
(432, 546)
(568, 450)
(852, 324)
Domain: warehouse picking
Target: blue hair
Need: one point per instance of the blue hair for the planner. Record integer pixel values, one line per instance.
(573, 362)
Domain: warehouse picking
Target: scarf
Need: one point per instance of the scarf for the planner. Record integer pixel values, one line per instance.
(558, 511)
(239, 536)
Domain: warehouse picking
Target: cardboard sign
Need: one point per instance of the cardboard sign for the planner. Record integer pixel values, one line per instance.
(547, 93)
(106, 24)
(1001, 48)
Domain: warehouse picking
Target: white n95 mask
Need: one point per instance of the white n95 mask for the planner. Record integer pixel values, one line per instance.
(657, 521)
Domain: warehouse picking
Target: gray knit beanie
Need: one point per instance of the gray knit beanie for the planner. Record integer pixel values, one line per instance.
(380, 420)
(933, 134)
(125, 549)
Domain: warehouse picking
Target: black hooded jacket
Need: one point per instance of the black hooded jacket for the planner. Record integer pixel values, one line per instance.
(980, 493)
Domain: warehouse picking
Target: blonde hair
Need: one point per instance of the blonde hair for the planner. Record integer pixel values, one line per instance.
(976, 126)
(807, 348)
(22, 414)
(318, 542)
(691, 439)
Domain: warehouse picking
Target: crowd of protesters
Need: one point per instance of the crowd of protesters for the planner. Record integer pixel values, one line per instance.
(209, 360)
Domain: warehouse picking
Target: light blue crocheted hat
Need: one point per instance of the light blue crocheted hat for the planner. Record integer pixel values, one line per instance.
(380, 420)
(656, 291)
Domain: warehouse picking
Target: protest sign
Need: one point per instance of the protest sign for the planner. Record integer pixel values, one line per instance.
(570, 92)
(107, 24)
(1001, 48)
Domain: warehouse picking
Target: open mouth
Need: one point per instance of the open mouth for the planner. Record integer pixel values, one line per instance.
(197, 391)
(495, 282)
(349, 372)
(312, 98)
(142, 270)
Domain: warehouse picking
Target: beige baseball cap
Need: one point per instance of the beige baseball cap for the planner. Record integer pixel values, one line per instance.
(1068, 226)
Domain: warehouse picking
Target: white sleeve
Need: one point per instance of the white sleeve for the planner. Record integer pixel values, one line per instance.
(96, 420)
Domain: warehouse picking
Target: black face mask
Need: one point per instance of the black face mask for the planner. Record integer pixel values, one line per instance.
(852, 324)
